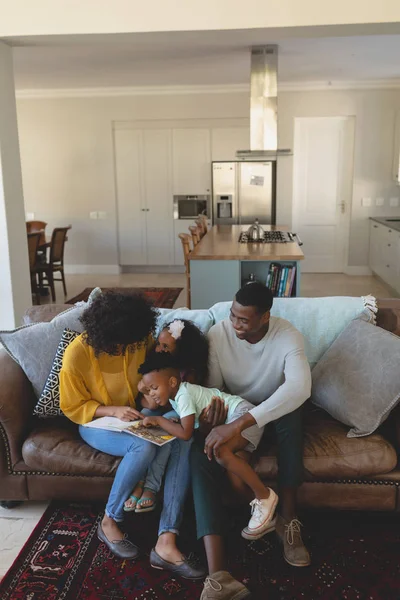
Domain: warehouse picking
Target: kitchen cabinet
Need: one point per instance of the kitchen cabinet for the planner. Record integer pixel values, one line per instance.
(191, 161)
(396, 149)
(384, 255)
(144, 196)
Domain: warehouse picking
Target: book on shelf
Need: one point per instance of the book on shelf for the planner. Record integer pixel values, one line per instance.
(280, 279)
(155, 435)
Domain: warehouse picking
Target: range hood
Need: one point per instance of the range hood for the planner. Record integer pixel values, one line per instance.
(263, 106)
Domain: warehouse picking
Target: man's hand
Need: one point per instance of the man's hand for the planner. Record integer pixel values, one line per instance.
(219, 436)
(125, 413)
(150, 421)
(213, 415)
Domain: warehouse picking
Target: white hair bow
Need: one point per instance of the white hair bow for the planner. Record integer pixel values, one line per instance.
(175, 328)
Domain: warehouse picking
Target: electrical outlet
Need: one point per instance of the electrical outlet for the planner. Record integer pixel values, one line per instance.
(366, 202)
(102, 214)
(93, 215)
(380, 201)
(29, 216)
(394, 202)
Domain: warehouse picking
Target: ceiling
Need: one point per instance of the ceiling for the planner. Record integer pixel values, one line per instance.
(199, 58)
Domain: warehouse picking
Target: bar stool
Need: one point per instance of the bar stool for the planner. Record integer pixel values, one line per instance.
(195, 232)
(185, 239)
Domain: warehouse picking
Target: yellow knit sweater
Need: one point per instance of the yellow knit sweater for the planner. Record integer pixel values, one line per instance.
(87, 382)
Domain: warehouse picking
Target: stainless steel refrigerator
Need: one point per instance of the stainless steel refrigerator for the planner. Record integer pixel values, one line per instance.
(243, 191)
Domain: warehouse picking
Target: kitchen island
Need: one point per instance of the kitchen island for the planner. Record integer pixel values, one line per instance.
(220, 264)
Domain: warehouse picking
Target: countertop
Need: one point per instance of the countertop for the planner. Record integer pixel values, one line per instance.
(384, 221)
(221, 243)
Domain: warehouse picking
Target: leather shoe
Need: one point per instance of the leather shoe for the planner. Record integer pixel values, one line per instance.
(121, 548)
(187, 568)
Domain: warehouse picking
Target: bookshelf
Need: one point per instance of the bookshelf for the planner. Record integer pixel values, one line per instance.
(277, 268)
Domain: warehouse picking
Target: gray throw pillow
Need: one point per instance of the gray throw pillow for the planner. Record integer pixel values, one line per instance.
(49, 402)
(33, 346)
(357, 380)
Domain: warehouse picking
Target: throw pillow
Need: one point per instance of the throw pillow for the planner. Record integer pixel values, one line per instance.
(33, 346)
(357, 381)
(49, 402)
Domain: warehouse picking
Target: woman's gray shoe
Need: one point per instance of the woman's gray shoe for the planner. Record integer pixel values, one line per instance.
(121, 548)
(188, 568)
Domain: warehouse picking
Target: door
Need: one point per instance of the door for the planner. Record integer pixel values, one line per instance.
(322, 190)
(130, 197)
(191, 161)
(158, 196)
(255, 192)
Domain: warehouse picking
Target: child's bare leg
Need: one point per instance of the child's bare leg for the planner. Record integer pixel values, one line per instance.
(227, 458)
(241, 491)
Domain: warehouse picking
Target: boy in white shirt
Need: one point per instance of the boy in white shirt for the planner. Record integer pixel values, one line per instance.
(162, 379)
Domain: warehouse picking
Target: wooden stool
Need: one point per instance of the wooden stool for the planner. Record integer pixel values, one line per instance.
(202, 226)
(195, 232)
(185, 239)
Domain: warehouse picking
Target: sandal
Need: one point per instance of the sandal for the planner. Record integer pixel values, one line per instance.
(148, 508)
(134, 498)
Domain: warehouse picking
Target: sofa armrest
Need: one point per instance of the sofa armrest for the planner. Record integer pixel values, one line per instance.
(16, 405)
(395, 415)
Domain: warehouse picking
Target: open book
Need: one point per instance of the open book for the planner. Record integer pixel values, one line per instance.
(155, 435)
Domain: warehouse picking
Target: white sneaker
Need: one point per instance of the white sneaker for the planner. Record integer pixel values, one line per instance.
(262, 515)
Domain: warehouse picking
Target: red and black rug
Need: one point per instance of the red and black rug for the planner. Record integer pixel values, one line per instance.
(354, 557)
(159, 297)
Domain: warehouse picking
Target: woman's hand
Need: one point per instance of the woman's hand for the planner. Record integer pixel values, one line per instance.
(213, 415)
(125, 413)
(150, 421)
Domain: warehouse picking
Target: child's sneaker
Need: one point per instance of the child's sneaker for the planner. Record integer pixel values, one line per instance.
(262, 513)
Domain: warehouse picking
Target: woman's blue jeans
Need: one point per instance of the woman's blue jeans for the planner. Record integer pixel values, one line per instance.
(137, 456)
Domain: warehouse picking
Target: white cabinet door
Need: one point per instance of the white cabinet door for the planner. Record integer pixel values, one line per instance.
(191, 161)
(375, 247)
(130, 200)
(158, 196)
(396, 149)
(389, 256)
(226, 141)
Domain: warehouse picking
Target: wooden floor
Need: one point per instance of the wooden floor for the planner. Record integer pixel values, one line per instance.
(312, 284)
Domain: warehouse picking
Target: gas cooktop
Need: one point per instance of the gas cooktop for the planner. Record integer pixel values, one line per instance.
(270, 237)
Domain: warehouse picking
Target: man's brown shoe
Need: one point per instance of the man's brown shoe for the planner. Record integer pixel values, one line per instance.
(294, 551)
(222, 586)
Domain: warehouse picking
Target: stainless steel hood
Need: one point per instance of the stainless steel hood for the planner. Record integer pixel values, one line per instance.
(263, 106)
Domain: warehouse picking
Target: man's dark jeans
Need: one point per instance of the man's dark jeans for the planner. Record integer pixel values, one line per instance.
(208, 477)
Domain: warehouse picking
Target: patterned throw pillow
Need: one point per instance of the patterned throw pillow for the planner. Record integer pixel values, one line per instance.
(49, 402)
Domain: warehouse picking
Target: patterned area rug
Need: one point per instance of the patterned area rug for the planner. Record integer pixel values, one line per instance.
(354, 557)
(160, 297)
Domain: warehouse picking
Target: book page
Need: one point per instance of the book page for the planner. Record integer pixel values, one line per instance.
(111, 423)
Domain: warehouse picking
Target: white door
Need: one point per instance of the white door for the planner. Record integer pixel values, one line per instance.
(158, 196)
(322, 190)
(130, 197)
(191, 161)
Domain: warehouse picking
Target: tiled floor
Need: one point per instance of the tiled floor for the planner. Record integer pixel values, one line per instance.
(17, 524)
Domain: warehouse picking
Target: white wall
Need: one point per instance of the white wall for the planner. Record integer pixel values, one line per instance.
(46, 17)
(67, 156)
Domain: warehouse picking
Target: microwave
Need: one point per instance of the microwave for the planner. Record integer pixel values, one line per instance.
(190, 207)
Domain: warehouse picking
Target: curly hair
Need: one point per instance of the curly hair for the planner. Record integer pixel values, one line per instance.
(114, 322)
(192, 349)
(159, 361)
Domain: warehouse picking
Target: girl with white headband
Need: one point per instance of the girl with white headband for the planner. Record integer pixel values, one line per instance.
(189, 346)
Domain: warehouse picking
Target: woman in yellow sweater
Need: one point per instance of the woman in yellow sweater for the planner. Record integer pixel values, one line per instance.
(99, 377)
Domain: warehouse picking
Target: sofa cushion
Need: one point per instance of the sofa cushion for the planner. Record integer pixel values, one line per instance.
(329, 453)
(56, 447)
(48, 405)
(358, 379)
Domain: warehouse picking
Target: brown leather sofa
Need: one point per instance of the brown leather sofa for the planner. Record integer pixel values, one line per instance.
(43, 460)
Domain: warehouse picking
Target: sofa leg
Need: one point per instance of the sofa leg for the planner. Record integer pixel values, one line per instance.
(10, 503)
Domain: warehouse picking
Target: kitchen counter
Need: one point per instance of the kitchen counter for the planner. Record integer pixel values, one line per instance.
(220, 264)
(221, 243)
(388, 222)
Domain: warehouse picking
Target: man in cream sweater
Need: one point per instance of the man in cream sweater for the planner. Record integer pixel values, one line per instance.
(262, 359)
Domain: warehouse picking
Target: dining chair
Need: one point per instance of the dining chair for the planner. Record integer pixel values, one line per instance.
(56, 261)
(33, 246)
(35, 226)
(195, 233)
(185, 239)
